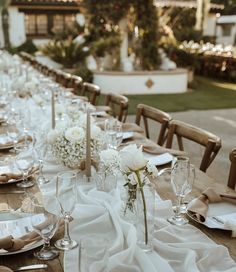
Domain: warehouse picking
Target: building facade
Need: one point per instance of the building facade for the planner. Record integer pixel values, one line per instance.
(39, 20)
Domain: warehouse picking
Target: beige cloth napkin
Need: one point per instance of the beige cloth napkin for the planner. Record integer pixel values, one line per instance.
(7, 142)
(198, 208)
(13, 244)
(5, 177)
(157, 149)
(5, 269)
(4, 207)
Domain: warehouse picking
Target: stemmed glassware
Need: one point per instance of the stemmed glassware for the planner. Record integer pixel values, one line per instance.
(182, 179)
(25, 161)
(41, 152)
(113, 129)
(66, 193)
(45, 223)
(13, 134)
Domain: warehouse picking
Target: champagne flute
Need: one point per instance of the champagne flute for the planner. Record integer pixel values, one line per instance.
(66, 193)
(182, 179)
(41, 152)
(45, 223)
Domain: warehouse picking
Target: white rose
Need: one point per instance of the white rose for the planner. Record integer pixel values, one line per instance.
(132, 158)
(52, 136)
(75, 134)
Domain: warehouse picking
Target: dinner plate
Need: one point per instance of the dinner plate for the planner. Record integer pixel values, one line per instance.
(127, 135)
(17, 223)
(217, 214)
(158, 159)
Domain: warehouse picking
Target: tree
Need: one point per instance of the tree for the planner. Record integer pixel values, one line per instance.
(5, 22)
(104, 31)
(230, 6)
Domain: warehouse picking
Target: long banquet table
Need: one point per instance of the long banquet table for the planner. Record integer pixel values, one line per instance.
(67, 262)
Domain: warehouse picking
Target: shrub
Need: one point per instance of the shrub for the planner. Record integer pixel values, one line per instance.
(84, 72)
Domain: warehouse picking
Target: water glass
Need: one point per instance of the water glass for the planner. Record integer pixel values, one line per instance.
(66, 193)
(45, 223)
(113, 129)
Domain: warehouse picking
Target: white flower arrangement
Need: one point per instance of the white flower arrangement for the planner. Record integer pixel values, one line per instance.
(136, 171)
(69, 144)
(109, 160)
(133, 163)
(26, 87)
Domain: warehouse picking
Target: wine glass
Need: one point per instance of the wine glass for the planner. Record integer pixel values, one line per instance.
(182, 179)
(25, 161)
(13, 134)
(45, 223)
(66, 196)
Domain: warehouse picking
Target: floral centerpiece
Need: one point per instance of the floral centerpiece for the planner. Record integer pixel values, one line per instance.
(69, 143)
(136, 170)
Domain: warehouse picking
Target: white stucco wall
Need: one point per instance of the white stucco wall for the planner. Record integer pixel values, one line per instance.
(174, 81)
(210, 26)
(226, 40)
(16, 27)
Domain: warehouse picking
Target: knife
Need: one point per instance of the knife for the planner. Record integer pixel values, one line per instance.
(31, 267)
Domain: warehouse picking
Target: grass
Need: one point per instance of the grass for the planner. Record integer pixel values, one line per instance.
(206, 94)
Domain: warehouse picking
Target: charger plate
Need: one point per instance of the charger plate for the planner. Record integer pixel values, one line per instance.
(10, 219)
(217, 212)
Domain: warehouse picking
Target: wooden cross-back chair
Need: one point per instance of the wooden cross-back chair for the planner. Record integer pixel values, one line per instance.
(76, 82)
(145, 112)
(118, 105)
(211, 142)
(232, 171)
(92, 92)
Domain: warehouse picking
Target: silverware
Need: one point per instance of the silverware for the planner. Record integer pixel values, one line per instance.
(12, 192)
(31, 267)
(218, 220)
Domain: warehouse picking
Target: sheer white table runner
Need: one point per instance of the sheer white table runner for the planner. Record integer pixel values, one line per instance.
(181, 249)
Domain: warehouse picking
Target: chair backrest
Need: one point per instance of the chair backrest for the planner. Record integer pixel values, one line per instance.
(65, 79)
(76, 83)
(146, 112)
(232, 171)
(211, 142)
(92, 91)
(119, 105)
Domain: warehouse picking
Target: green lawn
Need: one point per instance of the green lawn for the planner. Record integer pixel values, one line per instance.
(206, 94)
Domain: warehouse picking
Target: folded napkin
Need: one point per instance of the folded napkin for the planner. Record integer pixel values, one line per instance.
(198, 208)
(6, 141)
(4, 207)
(5, 269)
(157, 149)
(6, 173)
(132, 127)
(13, 244)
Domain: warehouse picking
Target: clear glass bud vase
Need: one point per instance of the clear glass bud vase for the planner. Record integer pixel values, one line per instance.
(145, 216)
